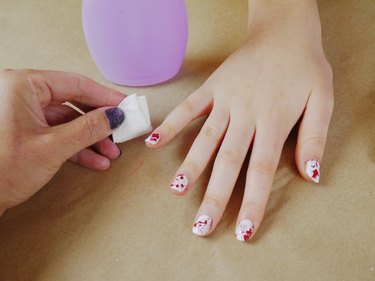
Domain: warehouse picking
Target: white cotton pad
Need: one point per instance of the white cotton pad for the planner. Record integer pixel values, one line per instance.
(137, 119)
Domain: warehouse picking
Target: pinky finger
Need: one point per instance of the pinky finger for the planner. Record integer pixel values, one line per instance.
(312, 134)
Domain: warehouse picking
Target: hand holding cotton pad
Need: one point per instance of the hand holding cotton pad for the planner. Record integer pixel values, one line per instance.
(137, 119)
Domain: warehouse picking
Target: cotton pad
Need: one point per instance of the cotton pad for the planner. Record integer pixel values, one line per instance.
(137, 119)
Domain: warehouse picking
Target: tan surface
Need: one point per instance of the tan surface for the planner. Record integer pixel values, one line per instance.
(125, 225)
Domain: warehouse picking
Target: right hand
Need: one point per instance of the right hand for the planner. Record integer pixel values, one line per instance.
(38, 133)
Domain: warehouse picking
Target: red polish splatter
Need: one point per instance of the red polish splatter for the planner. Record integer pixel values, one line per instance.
(200, 223)
(154, 137)
(315, 174)
(248, 234)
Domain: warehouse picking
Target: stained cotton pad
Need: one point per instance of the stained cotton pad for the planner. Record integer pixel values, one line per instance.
(137, 119)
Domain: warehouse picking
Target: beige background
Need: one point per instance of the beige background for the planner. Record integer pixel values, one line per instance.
(124, 224)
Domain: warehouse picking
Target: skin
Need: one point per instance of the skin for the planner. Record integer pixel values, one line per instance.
(253, 100)
(39, 134)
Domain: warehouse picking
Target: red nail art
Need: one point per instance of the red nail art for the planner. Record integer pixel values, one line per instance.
(180, 183)
(153, 138)
(202, 225)
(313, 170)
(244, 230)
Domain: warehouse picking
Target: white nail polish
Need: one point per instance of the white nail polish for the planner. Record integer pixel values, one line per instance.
(153, 138)
(180, 183)
(244, 230)
(202, 225)
(312, 168)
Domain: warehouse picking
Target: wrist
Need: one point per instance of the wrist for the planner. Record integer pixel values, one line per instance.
(287, 18)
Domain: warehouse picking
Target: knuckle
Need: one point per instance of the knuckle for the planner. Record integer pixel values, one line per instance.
(315, 141)
(213, 201)
(91, 126)
(274, 141)
(187, 106)
(169, 128)
(257, 209)
(230, 157)
(209, 131)
(193, 167)
(263, 168)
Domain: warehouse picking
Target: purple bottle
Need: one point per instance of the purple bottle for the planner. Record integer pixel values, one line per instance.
(136, 42)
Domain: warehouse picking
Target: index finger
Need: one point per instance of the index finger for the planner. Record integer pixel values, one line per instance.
(73, 87)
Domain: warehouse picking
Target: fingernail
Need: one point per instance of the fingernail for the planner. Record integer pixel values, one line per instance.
(153, 139)
(202, 225)
(244, 230)
(180, 183)
(312, 168)
(115, 117)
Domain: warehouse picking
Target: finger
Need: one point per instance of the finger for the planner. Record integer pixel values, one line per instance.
(91, 160)
(204, 146)
(63, 113)
(312, 134)
(107, 148)
(59, 114)
(264, 159)
(63, 86)
(70, 138)
(196, 105)
(224, 175)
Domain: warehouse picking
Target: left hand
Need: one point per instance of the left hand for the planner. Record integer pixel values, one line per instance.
(255, 97)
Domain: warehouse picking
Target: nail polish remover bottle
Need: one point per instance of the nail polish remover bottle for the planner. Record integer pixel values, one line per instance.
(136, 42)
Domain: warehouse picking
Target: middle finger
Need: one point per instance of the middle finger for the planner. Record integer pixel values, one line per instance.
(224, 175)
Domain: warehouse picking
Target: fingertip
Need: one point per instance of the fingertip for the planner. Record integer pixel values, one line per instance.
(152, 140)
(179, 185)
(91, 160)
(115, 116)
(102, 165)
(311, 171)
(202, 225)
(177, 193)
(244, 230)
(108, 149)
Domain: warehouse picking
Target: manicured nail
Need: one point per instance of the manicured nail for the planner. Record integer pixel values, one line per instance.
(202, 225)
(180, 183)
(153, 139)
(312, 168)
(115, 117)
(244, 230)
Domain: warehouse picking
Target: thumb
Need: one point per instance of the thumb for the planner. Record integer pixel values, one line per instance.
(72, 137)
